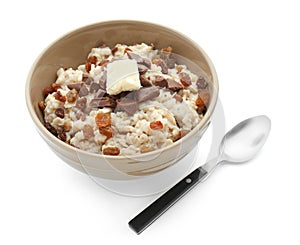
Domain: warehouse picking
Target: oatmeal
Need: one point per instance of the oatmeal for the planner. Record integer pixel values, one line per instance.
(125, 100)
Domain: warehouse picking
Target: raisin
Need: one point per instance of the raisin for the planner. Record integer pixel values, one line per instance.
(181, 134)
(72, 96)
(103, 120)
(48, 90)
(205, 96)
(127, 50)
(85, 77)
(199, 102)
(203, 111)
(202, 101)
(88, 131)
(81, 103)
(50, 128)
(185, 79)
(92, 60)
(60, 129)
(60, 112)
(115, 49)
(60, 97)
(107, 131)
(168, 49)
(62, 136)
(55, 86)
(113, 151)
(88, 66)
(103, 62)
(157, 125)
(42, 105)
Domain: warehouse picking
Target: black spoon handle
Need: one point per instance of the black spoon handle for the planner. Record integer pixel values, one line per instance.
(164, 202)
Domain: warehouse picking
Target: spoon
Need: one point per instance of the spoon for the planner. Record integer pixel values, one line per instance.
(239, 145)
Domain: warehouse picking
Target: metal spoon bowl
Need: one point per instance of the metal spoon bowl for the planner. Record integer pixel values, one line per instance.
(240, 144)
(243, 142)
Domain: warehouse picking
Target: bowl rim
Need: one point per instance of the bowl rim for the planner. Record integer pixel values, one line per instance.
(204, 121)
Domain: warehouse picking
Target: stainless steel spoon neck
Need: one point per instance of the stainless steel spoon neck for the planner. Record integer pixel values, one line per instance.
(211, 165)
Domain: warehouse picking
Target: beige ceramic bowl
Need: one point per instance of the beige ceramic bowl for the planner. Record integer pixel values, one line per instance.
(71, 50)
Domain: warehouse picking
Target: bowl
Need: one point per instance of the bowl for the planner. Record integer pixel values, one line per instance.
(71, 50)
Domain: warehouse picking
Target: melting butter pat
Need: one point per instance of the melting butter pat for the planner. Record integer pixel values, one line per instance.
(122, 75)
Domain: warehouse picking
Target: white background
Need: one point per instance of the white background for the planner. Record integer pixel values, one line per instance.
(255, 48)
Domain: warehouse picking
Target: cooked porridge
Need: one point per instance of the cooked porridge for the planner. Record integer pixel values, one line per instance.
(125, 100)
